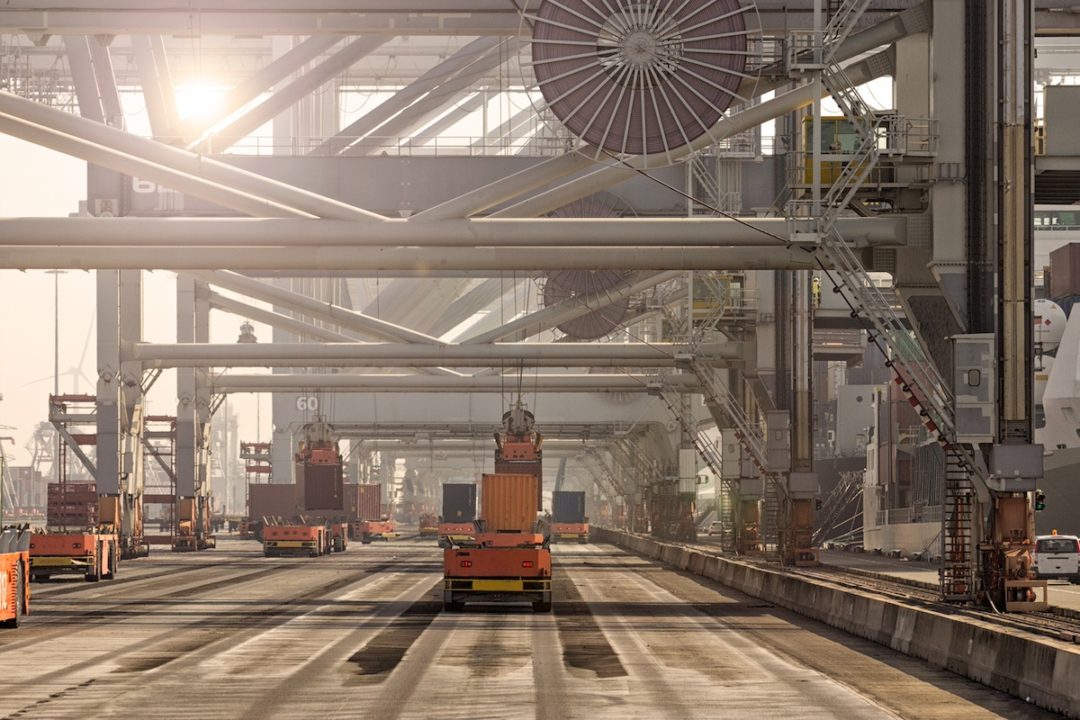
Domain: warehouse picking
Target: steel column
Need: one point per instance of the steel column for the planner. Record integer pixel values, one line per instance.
(186, 407)
(83, 77)
(108, 385)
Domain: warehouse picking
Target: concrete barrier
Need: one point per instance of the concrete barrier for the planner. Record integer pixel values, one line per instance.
(1039, 670)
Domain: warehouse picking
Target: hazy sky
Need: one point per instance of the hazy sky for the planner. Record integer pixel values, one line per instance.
(48, 184)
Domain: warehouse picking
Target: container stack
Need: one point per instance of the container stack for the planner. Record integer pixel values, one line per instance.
(71, 505)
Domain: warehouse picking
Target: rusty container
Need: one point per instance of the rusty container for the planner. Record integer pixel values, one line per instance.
(508, 502)
(369, 501)
(274, 500)
(352, 501)
(1065, 271)
(320, 487)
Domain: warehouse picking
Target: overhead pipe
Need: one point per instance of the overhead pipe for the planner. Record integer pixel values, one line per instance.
(347, 383)
(390, 259)
(156, 355)
(518, 234)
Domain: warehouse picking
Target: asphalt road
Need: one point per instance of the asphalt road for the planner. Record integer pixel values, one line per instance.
(230, 634)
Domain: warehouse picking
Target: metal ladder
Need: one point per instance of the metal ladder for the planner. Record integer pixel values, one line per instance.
(725, 511)
(958, 562)
(772, 510)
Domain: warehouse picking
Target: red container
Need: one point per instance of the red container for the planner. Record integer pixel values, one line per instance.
(508, 502)
(272, 501)
(1065, 271)
(369, 501)
(319, 487)
(352, 501)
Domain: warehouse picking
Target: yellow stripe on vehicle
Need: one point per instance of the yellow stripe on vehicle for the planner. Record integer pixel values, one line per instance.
(498, 586)
(45, 562)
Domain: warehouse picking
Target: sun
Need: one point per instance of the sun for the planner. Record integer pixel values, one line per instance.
(199, 98)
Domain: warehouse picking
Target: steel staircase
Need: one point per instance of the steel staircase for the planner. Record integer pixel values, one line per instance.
(917, 374)
(958, 561)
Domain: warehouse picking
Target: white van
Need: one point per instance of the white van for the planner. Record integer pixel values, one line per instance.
(1057, 556)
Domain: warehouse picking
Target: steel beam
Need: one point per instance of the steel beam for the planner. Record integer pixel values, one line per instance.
(291, 94)
(480, 297)
(83, 78)
(136, 167)
(615, 172)
(106, 82)
(390, 259)
(506, 189)
(517, 234)
(344, 383)
(574, 307)
(456, 114)
(263, 80)
(281, 17)
(315, 308)
(181, 161)
(156, 84)
(403, 355)
(415, 115)
(273, 319)
(370, 121)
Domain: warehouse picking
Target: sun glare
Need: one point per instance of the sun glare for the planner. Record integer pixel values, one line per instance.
(199, 98)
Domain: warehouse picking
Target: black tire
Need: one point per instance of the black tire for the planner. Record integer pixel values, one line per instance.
(542, 607)
(365, 539)
(114, 564)
(20, 592)
(94, 575)
(453, 606)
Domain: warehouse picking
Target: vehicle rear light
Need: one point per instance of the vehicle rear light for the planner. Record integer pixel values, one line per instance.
(526, 563)
(76, 545)
(466, 563)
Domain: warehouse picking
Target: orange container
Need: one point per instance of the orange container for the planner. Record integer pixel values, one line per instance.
(508, 502)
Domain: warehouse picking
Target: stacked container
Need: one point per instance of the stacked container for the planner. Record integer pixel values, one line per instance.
(72, 505)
